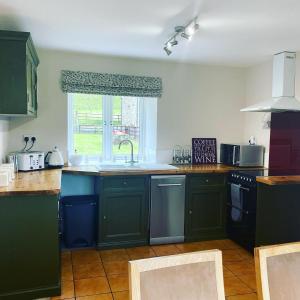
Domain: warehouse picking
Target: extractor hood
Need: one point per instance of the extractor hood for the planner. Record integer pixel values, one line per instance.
(283, 92)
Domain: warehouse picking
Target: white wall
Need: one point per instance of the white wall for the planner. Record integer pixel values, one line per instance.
(198, 100)
(3, 138)
(258, 88)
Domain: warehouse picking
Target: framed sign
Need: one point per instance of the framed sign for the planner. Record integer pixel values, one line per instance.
(204, 151)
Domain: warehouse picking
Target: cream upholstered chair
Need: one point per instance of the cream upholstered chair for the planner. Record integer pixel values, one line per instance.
(190, 276)
(278, 272)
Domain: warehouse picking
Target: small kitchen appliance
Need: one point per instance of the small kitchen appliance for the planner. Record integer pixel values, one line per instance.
(29, 161)
(167, 209)
(242, 155)
(54, 159)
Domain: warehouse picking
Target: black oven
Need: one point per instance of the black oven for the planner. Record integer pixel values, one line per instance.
(241, 207)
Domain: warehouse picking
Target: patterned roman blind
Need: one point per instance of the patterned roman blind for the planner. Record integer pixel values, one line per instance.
(110, 84)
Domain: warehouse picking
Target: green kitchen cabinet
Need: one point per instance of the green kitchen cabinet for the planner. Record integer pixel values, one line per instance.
(29, 260)
(205, 213)
(123, 211)
(18, 74)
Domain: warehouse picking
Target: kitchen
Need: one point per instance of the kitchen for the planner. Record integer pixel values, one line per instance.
(199, 95)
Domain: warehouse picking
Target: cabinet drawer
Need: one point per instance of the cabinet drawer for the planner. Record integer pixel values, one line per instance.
(206, 180)
(127, 182)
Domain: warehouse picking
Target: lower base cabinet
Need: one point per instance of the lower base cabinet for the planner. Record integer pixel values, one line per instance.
(123, 211)
(205, 207)
(29, 260)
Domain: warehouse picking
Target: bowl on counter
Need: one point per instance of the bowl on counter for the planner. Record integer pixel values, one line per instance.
(76, 160)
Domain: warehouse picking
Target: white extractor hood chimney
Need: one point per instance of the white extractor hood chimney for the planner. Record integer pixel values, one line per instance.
(283, 93)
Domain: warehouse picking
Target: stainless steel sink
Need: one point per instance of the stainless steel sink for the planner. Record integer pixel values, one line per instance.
(134, 167)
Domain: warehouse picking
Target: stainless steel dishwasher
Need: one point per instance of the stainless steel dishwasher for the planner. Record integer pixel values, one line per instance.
(167, 209)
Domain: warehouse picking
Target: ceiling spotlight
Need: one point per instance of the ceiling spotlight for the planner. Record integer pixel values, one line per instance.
(167, 50)
(173, 43)
(192, 28)
(185, 35)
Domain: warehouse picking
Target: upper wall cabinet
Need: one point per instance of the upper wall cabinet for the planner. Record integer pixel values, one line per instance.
(18, 74)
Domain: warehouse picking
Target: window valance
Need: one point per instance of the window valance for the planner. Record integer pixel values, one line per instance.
(110, 84)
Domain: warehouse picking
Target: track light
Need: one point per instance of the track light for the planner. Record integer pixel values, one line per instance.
(185, 35)
(167, 50)
(184, 31)
(174, 43)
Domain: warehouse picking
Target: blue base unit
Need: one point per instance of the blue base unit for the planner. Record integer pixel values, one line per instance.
(79, 220)
(77, 185)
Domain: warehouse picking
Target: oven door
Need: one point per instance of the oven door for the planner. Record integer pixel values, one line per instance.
(241, 219)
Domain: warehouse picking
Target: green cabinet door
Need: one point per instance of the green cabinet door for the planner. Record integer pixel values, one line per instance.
(205, 208)
(123, 211)
(18, 74)
(29, 260)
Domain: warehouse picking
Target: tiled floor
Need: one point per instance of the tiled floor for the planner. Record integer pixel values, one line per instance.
(102, 275)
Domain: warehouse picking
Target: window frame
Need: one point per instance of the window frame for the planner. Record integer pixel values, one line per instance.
(107, 135)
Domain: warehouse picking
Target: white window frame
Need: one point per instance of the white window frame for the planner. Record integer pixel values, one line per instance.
(107, 153)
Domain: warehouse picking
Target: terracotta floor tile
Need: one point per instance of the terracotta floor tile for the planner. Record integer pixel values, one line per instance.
(234, 286)
(67, 291)
(81, 257)
(91, 286)
(66, 258)
(252, 296)
(210, 245)
(162, 250)
(231, 255)
(245, 254)
(189, 247)
(229, 244)
(114, 255)
(88, 270)
(116, 267)
(227, 272)
(97, 297)
(121, 296)
(140, 252)
(66, 272)
(240, 268)
(118, 282)
(249, 280)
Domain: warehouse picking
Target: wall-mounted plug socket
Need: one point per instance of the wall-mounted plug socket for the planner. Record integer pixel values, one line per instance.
(28, 137)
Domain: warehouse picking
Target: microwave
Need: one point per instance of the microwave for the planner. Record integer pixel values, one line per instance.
(242, 155)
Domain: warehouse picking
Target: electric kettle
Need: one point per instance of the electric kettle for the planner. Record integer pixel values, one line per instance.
(54, 159)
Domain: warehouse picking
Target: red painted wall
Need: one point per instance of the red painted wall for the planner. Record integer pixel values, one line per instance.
(284, 158)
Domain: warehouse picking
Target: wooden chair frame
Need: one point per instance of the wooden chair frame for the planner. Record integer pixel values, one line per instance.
(261, 256)
(139, 266)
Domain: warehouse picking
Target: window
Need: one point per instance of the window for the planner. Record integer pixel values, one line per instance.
(98, 123)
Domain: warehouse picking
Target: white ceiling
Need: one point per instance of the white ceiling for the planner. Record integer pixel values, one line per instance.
(234, 32)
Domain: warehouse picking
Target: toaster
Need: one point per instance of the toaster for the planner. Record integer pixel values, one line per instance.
(29, 161)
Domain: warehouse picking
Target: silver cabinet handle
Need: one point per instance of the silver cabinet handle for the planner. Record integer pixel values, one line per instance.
(233, 158)
(245, 189)
(190, 212)
(169, 184)
(241, 187)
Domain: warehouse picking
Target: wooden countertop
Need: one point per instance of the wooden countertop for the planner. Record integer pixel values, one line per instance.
(181, 169)
(49, 181)
(279, 180)
(38, 182)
